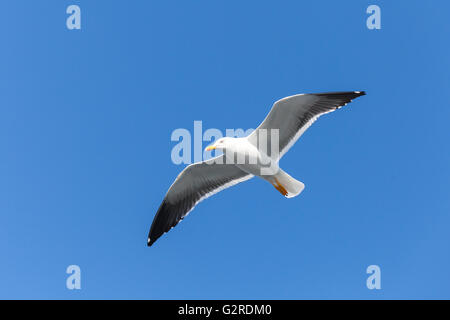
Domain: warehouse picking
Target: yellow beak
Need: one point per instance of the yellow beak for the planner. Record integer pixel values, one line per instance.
(209, 148)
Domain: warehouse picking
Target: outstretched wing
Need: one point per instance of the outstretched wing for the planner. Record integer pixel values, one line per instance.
(293, 115)
(195, 183)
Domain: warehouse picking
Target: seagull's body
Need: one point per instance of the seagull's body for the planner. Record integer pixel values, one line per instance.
(243, 158)
(243, 153)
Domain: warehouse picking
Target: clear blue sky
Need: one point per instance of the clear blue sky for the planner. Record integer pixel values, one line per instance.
(85, 124)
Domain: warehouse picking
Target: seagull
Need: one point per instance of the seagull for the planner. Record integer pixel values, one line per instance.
(257, 155)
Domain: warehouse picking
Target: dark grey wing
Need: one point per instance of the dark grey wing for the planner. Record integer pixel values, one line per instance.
(293, 115)
(195, 183)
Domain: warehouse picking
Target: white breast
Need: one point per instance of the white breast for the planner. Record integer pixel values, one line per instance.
(250, 159)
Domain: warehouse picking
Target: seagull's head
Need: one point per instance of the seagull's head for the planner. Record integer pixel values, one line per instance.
(220, 144)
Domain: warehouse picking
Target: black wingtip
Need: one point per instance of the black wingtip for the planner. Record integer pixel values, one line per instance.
(341, 94)
(149, 242)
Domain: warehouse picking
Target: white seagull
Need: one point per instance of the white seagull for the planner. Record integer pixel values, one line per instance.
(287, 120)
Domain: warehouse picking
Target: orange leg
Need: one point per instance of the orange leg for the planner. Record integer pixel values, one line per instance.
(280, 188)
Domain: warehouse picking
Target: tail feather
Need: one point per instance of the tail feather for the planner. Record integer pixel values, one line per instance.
(291, 185)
